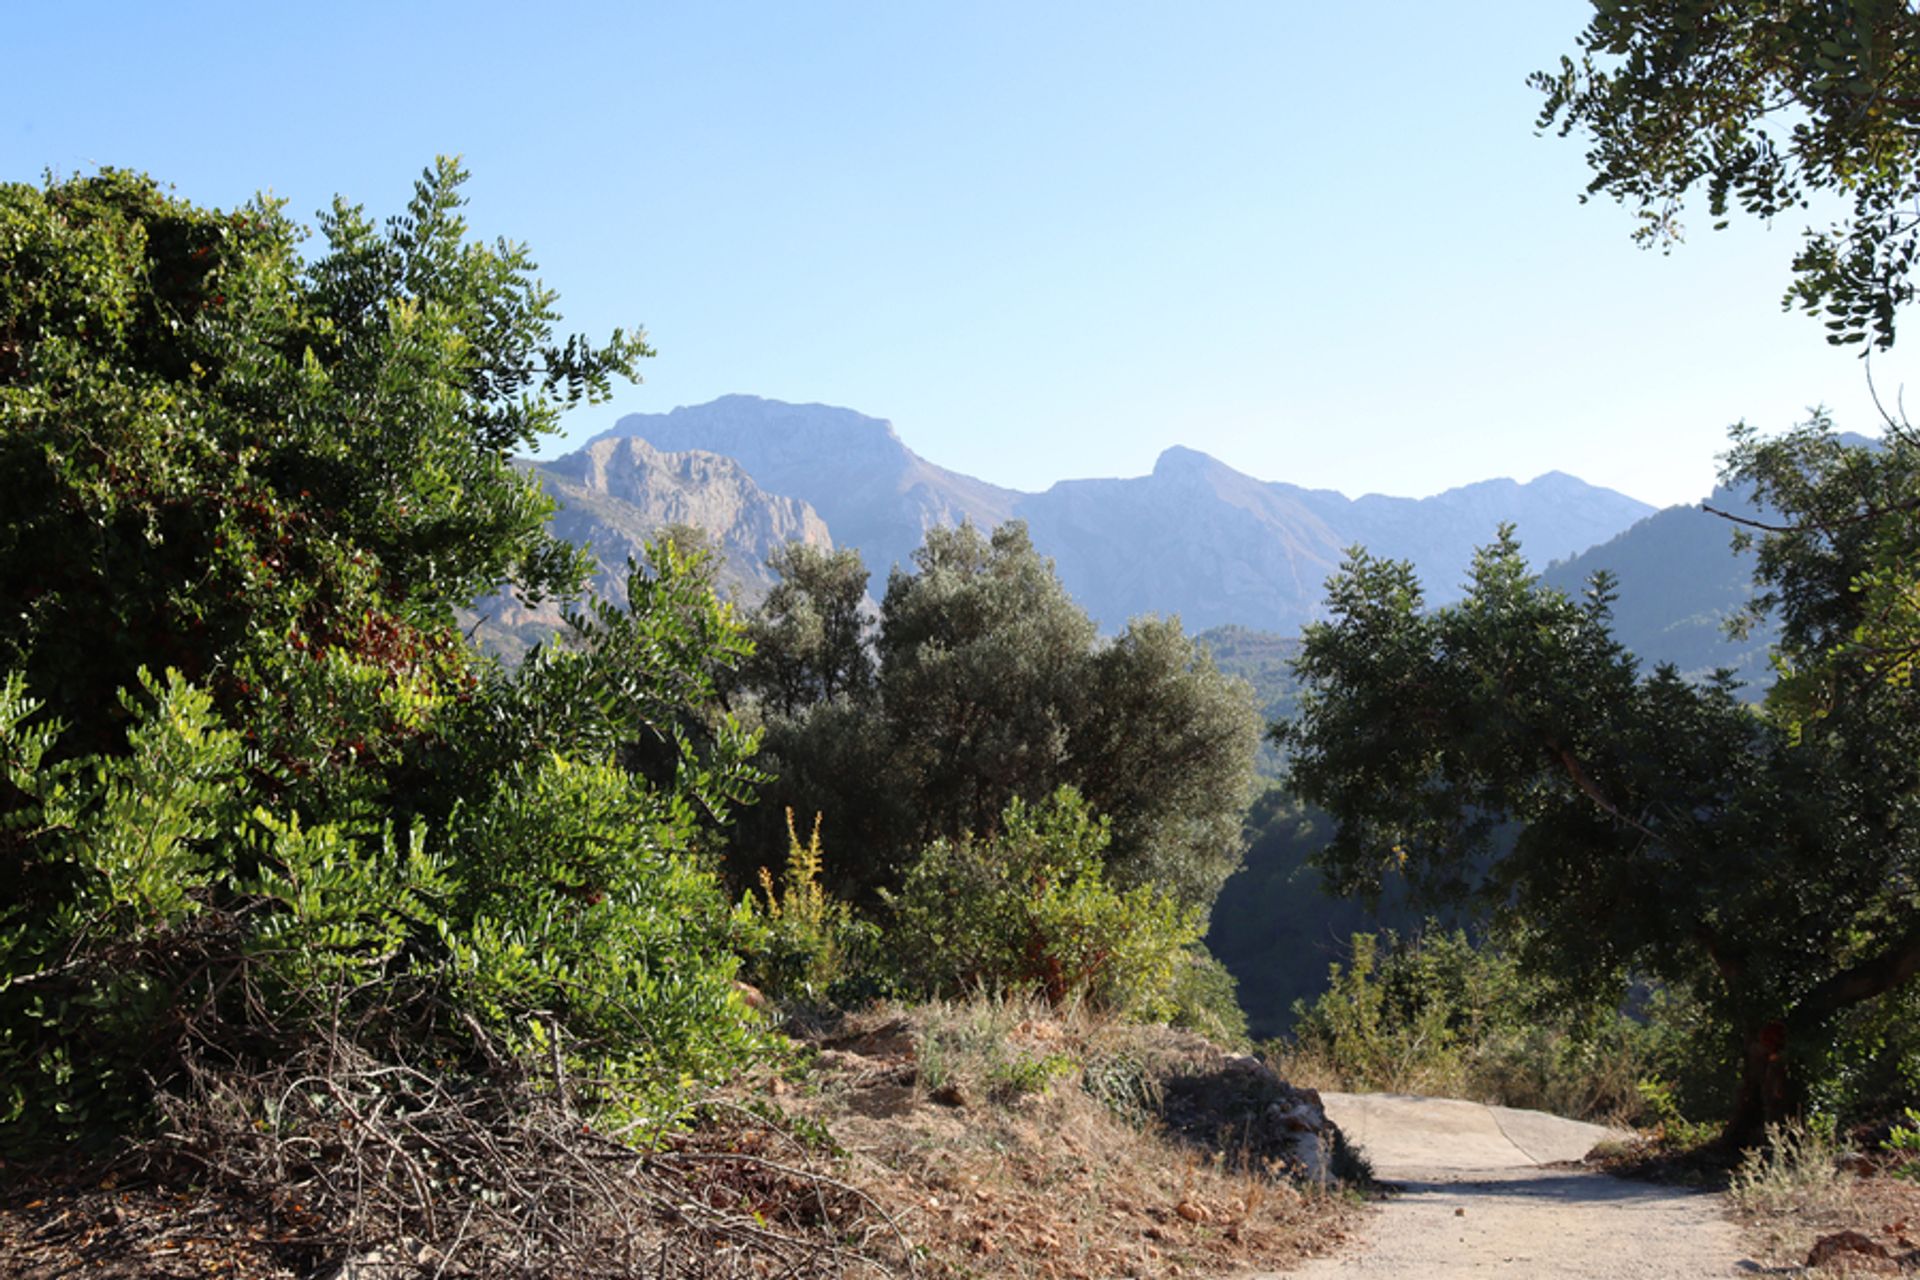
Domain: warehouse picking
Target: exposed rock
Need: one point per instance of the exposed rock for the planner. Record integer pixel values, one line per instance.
(1857, 1251)
(1238, 1104)
(616, 494)
(875, 493)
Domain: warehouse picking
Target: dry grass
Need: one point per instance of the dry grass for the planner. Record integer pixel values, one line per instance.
(1807, 1188)
(1010, 1140)
(981, 1138)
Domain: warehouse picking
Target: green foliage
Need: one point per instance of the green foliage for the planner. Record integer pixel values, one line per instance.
(1662, 827)
(565, 899)
(276, 476)
(581, 905)
(1436, 1014)
(1206, 999)
(174, 897)
(800, 942)
(1903, 1140)
(331, 824)
(809, 634)
(1031, 909)
(1765, 106)
(991, 685)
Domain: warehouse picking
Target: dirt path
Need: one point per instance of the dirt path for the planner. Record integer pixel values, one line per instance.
(1481, 1194)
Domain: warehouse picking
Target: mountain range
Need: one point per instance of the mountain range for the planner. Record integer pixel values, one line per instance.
(1232, 555)
(1194, 537)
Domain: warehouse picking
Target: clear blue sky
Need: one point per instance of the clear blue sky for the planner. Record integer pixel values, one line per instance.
(1319, 241)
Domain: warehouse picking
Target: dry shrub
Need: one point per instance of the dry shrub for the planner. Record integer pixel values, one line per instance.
(505, 1172)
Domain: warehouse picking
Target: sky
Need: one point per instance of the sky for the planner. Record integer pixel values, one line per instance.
(1321, 242)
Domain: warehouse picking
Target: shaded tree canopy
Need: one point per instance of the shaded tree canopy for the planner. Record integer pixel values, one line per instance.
(1769, 862)
(1761, 106)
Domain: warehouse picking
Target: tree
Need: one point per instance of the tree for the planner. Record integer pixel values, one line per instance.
(278, 477)
(1766, 862)
(992, 685)
(981, 655)
(330, 825)
(809, 634)
(1766, 104)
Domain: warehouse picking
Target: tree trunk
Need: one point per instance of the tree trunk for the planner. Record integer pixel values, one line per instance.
(1766, 1094)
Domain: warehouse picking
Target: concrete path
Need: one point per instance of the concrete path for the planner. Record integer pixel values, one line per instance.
(1483, 1191)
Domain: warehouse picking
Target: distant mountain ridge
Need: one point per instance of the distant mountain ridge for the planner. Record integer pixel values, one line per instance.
(1195, 537)
(614, 495)
(874, 492)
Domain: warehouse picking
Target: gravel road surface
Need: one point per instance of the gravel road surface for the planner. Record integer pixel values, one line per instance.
(1483, 1191)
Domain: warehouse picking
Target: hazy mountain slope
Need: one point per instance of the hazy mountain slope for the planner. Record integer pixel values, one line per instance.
(874, 492)
(1679, 583)
(1557, 515)
(1219, 547)
(1195, 537)
(615, 494)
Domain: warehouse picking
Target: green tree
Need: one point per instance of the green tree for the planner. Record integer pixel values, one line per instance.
(277, 476)
(275, 479)
(1765, 863)
(1762, 105)
(810, 633)
(991, 686)
(981, 655)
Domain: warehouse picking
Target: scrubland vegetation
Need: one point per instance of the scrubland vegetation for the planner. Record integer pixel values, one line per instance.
(372, 945)
(805, 941)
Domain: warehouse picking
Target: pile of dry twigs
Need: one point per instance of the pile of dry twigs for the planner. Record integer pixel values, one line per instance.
(392, 1168)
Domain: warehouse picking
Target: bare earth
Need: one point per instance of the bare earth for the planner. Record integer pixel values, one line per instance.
(1484, 1191)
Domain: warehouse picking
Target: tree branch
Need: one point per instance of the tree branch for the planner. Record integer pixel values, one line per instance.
(1859, 517)
(1589, 788)
(1895, 965)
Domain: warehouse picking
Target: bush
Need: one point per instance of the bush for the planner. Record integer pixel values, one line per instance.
(800, 942)
(1206, 999)
(1436, 1014)
(180, 904)
(1030, 909)
(169, 912)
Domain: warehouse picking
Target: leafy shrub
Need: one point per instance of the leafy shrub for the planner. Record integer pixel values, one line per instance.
(1436, 1014)
(176, 902)
(167, 913)
(800, 942)
(1206, 999)
(580, 906)
(1030, 909)
(1903, 1141)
